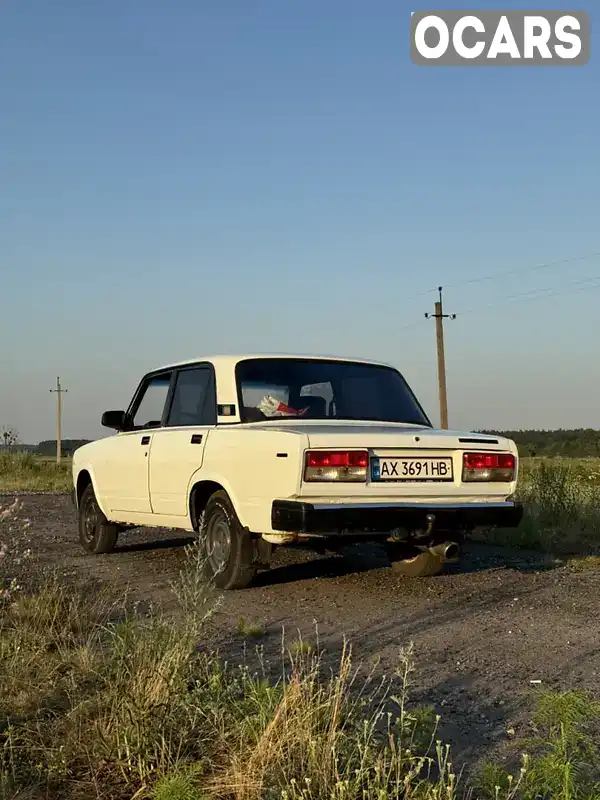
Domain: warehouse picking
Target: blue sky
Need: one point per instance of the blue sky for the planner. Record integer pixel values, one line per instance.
(213, 176)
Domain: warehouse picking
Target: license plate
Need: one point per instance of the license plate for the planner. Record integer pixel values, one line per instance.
(412, 469)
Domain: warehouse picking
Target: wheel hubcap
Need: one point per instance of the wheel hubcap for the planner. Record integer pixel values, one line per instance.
(218, 542)
(90, 520)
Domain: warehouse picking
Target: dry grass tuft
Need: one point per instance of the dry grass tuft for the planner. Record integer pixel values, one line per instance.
(584, 563)
(254, 630)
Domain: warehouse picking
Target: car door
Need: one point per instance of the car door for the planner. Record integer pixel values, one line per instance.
(178, 448)
(127, 467)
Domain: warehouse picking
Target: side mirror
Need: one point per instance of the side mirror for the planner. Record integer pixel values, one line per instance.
(114, 419)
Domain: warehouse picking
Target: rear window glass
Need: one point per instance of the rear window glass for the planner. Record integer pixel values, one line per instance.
(319, 389)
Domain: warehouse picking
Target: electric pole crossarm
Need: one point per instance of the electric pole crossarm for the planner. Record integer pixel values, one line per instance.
(59, 391)
(439, 317)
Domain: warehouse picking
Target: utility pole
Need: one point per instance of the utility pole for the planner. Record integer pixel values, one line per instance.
(59, 392)
(439, 317)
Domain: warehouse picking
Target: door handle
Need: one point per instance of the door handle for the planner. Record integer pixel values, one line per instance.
(196, 438)
(145, 440)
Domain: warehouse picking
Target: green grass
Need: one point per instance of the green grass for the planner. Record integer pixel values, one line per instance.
(31, 473)
(584, 563)
(251, 629)
(562, 507)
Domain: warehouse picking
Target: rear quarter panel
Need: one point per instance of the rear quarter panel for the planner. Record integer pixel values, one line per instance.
(255, 466)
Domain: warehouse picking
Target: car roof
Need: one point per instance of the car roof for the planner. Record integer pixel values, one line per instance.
(224, 360)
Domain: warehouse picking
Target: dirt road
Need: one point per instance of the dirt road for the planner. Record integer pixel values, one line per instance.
(482, 632)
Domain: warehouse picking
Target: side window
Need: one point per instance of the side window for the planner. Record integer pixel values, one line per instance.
(194, 401)
(150, 409)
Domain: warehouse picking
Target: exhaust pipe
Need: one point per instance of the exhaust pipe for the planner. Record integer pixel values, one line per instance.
(449, 551)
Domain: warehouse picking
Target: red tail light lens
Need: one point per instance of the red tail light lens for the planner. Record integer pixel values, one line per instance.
(493, 467)
(337, 458)
(489, 461)
(336, 465)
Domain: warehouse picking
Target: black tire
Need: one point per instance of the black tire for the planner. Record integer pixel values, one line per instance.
(414, 563)
(227, 547)
(96, 534)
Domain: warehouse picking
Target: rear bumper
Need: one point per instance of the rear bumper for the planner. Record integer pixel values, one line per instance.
(294, 516)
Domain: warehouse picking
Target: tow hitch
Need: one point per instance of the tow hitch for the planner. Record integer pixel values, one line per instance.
(430, 523)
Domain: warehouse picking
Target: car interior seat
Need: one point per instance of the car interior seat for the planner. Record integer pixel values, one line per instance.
(317, 406)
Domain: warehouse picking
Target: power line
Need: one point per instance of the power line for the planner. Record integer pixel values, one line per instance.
(522, 270)
(532, 294)
(585, 284)
(507, 273)
(535, 294)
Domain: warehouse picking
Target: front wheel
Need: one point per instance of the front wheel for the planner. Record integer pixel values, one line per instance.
(228, 549)
(96, 534)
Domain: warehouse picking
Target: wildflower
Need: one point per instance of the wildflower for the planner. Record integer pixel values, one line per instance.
(11, 511)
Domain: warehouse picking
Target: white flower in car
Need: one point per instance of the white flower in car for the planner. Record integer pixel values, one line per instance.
(272, 407)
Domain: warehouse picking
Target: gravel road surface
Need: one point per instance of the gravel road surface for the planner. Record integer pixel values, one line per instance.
(488, 635)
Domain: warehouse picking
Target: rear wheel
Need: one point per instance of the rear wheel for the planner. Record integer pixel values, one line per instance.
(96, 534)
(228, 548)
(412, 562)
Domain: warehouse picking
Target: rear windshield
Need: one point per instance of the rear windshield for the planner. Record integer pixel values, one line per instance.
(313, 389)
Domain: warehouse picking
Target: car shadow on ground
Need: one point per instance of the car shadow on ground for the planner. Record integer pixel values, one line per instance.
(296, 564)
(475, 557)
(314, 568)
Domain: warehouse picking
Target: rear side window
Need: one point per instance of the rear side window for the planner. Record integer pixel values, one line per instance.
(194, 401)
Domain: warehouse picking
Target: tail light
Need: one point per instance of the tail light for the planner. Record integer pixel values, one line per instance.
(336, 465)
(494, 467)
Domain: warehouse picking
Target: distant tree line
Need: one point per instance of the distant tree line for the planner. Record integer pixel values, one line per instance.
(573, 443)
(67, 446)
